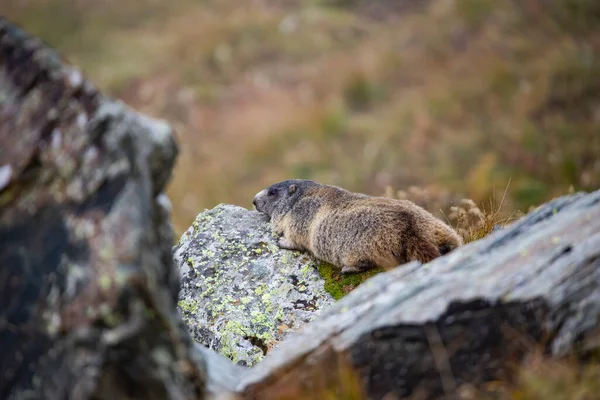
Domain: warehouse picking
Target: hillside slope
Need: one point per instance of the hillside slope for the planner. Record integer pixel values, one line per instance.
(457, 96)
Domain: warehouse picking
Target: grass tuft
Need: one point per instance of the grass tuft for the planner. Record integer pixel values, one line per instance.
(473, 222)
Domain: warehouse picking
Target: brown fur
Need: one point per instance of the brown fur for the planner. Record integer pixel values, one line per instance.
(353, 231)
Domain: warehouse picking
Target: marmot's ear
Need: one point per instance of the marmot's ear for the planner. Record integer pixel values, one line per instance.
(292, 189)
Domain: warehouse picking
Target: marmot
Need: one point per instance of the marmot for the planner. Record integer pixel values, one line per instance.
(353, 231)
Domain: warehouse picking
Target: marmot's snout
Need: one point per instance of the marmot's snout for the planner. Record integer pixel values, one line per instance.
(259, 200)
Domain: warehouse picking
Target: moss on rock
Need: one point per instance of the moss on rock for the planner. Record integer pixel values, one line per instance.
(338, 285)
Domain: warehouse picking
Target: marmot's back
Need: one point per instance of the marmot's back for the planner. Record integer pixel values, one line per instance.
(386, 231)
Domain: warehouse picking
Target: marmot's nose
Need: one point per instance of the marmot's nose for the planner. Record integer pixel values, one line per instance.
(254, 201)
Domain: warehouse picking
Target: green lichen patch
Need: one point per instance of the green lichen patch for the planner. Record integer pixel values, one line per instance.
(338, 285)
(188, 305)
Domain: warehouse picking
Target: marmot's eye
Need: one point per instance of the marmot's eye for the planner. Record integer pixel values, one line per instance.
(272, 192)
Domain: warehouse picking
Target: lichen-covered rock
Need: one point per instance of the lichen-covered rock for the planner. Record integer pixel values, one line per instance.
(241, 294)
(88, 289)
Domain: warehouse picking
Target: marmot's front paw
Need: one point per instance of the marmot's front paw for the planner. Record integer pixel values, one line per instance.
(284, 243)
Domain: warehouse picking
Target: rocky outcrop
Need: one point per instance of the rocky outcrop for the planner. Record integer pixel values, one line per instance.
(466, 317)
(87, 287)
(240, 294)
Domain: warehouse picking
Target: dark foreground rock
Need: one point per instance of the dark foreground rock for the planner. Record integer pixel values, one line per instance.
(463, 318)
(87, 287)
(240, 294)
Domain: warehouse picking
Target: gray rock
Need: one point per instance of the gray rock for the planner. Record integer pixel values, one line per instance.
(222, 375)
(464, 318)
(240, 294)
(88, 289)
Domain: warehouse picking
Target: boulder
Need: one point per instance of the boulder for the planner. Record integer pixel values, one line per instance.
(240, 294)
(88, 289)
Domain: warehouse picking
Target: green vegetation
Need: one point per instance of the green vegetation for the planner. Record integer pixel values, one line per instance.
(338, 285)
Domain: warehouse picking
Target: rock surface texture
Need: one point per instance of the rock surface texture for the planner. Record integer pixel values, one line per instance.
(463, 318)
(240, 294)
(87, 286)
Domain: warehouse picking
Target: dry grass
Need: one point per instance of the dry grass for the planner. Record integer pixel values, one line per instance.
(546, 379)
(473, 222)
(332, 377)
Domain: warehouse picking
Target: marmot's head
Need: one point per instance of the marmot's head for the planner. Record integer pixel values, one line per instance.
(280, 197)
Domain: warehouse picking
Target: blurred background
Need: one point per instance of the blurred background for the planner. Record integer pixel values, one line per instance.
(442, 99)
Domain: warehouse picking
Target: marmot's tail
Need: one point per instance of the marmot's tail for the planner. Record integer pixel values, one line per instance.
(422, 250)
(425, 249)
(448, 241)
(446, 248)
